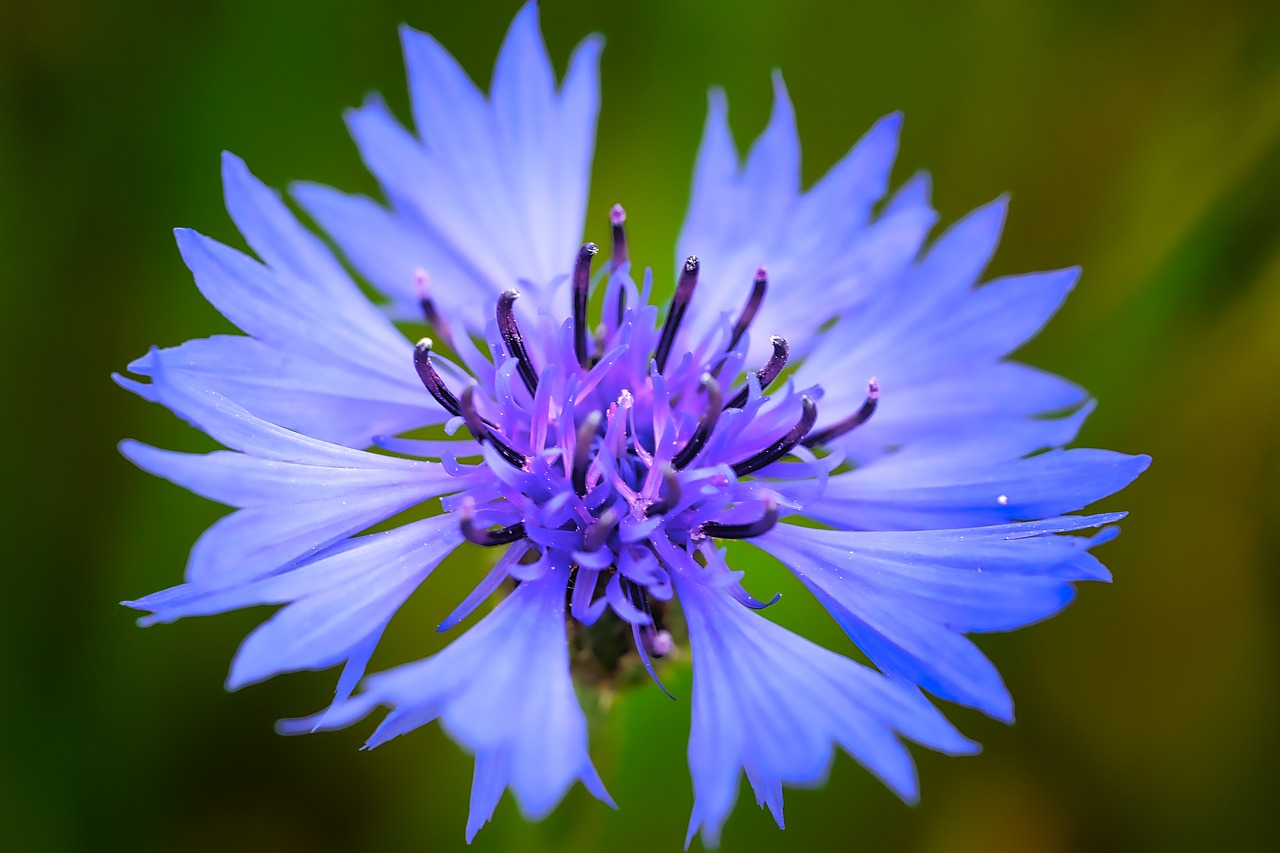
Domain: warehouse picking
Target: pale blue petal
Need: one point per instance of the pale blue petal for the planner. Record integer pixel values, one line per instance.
(351, 597)
(326, 398)
(516, 657)
(775, 705)
(910, 492)
(905, 597)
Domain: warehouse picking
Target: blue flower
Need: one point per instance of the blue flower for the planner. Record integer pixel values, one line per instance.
(604, 453)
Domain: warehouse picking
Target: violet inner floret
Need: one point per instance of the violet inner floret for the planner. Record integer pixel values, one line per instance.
(609, 444)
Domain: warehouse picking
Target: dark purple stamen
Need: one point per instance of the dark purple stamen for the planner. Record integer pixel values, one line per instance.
(857, 419)
(582, 450)
(782, 446)
(706, 424)
(581, 293)
(679, 304)
(422, 283)
(594, 537)
(671, 492)
(768, 373)
(481, 432)
(758, 288)
(749, 530)
(430, 378)
(486, 536)
(514, 340)
(617, 218)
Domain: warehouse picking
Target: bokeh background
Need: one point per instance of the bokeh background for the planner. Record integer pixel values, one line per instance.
(1140, 139)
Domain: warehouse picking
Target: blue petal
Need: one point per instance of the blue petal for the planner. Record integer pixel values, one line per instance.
(490, 192)
(340, 600)
(772, 703)
(814, 242)
(905, 597)
(910, 491)
(327, 398)
(300, 495)
(516, 657)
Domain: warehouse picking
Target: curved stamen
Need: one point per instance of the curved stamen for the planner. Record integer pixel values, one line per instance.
(481, 432)
(749, 530)
(514, 340)
(782, 446)
(671, 492)
(706, 424)
(581, 294)
(582, 450)
(485, 536)
(594, 537)
(430, 378)
(768, 373)
(850, 423)
(758, 288)
(679, 304)
(422, 284)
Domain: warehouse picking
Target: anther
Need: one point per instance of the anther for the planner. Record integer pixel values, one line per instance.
(758, 288)
(481, 432)
(768, 373)
(582, 451)
(706, 424)
(782, 446)
(581, 294)
(857, 419)
(485, 536)
(679, 304)
(514, 340)
(422, 284)
(430, 378)
(745, 531)
(594, 537)
(671, 492)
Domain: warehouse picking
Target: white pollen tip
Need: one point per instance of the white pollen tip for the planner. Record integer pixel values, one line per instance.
(873, 388)
(425, 343)
(625, 400)
(1003, 500)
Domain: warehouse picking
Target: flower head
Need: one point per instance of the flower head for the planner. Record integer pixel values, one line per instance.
(604, 445)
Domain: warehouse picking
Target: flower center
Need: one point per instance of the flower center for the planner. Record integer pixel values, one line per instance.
(615, 454)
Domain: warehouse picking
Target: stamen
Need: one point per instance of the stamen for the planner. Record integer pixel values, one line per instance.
(768, 373)
(782, 446)
(594, 537)
(758, 288)
(485, 536)
(481, 432)
(422, 284)
(581, 294)
(582, 451)
(514, 340)
(671, 491)
(857, 419)
(617, 218)
(430, 378)
(706, 424)
(745, 531)
(679, 304)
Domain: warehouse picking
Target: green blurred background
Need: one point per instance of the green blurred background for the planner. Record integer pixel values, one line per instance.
(1141, 140)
